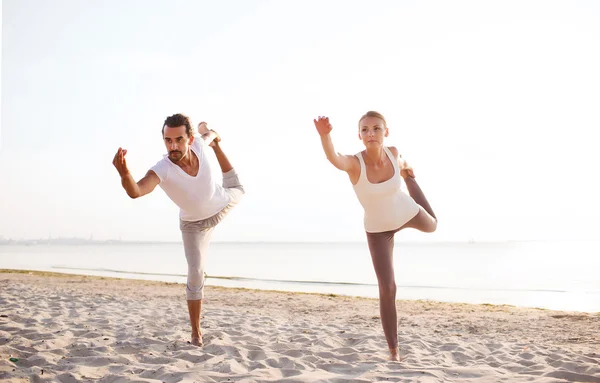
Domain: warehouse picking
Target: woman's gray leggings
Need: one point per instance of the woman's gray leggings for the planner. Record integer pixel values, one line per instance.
(381, 247)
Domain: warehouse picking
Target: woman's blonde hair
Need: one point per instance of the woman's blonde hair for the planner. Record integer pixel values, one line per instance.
(372, 113)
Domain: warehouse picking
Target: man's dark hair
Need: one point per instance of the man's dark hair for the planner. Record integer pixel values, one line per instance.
(178, 120)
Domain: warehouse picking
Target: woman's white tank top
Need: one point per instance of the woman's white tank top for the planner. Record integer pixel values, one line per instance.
(386, 206)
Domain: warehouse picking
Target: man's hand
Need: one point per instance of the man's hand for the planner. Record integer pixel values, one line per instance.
(209, 134)
(216, 140)
(133, 189)
(121, 163)
(323, 126)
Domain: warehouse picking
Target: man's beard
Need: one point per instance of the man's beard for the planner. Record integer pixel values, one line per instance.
(175, 152)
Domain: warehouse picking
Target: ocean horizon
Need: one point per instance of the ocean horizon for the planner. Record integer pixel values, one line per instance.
(545, 274)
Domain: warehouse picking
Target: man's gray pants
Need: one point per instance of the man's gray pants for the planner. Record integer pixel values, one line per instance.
(197, 234)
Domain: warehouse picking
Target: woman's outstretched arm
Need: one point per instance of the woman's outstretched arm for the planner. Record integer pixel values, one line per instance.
(340, 161)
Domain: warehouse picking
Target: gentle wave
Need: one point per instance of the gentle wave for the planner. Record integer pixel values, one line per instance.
(304, 282)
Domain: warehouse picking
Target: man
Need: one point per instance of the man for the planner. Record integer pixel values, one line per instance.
(185, 176)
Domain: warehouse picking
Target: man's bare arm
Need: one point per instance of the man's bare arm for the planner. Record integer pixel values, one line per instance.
(134, 189)
(142, 187)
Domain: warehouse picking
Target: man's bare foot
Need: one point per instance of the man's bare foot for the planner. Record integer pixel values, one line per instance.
(197, 341)
(203, 128)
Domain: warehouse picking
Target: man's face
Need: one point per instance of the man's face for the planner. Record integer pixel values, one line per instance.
(177, 142)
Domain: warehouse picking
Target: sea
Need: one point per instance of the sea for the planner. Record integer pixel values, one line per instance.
(559, 275)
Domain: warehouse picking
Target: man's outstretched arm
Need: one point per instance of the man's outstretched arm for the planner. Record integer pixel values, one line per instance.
(134, 189)
(142, 187)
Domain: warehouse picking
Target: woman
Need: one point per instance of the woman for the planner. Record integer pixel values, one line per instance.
(376, 174)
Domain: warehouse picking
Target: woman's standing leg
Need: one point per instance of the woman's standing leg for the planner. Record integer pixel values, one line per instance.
(381, 246)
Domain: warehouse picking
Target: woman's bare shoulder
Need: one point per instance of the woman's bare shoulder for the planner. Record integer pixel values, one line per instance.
(394, 151)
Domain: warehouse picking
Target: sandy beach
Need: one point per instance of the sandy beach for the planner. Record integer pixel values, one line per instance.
(68, 328)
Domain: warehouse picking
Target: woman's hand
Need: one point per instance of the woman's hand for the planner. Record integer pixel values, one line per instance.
(323, 126)
(406, 170)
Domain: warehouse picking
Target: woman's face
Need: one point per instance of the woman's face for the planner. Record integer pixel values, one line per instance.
(372, 131)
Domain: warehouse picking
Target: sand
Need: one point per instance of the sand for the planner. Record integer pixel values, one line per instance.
(72, 328)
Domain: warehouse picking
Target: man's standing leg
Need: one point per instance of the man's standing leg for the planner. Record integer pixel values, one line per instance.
(195, 244)
(196, 238)
(195, 309)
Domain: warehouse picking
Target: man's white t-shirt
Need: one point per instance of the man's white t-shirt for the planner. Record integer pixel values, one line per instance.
(198, 197)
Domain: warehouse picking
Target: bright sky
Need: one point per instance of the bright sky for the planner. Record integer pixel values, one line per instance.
(494, 103)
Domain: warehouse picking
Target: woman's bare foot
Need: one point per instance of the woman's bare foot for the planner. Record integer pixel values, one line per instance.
(407, 171)
(394, 355)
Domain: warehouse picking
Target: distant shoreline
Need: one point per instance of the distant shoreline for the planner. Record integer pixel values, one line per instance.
(82, 241)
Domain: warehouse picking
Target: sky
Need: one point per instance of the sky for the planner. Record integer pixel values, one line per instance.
(494, 103)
